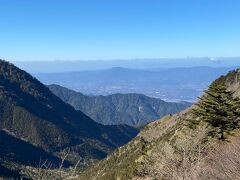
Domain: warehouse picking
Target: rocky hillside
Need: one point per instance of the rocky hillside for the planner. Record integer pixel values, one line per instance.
(131, 109)
(35, 124)
(183, 146)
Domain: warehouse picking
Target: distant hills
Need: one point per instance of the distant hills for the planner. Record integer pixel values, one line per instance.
(175, 84)
(44, 66)
(35, 124)
(131, 109)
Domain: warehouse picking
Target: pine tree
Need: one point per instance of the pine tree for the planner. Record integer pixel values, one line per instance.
(219, 108)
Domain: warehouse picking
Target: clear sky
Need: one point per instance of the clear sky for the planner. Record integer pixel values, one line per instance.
(118, 29)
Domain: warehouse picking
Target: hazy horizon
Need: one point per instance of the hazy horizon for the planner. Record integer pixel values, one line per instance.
(68, 66)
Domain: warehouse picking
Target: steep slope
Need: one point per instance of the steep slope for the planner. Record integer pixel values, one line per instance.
(131, 109)
(35, 117)
(175, 148)
(15, 150)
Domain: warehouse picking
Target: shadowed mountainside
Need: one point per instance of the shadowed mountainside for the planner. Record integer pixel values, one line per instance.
(34, 119)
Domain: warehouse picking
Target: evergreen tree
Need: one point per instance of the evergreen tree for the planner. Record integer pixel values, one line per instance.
(219, 108)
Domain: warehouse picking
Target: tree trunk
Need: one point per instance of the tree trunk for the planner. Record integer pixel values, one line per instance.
(222, 134)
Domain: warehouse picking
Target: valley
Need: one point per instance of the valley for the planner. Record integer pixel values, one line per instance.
(172, 85)
(48, 124)
(119, 90)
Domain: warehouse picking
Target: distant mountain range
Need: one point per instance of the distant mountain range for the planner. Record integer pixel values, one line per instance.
(176, 84)
(35, 124)
(57, 66)
(131, 109)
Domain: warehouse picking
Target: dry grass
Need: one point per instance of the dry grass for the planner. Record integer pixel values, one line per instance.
(223, 161)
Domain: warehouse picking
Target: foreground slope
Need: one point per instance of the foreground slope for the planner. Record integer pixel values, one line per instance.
(34, 119)
(131, 109)
(172, 148)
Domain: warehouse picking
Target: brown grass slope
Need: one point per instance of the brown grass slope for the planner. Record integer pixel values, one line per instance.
(171, 149)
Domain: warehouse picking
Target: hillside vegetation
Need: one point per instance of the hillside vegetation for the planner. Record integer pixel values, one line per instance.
(131, 109)
(36, 125)
(202, 142)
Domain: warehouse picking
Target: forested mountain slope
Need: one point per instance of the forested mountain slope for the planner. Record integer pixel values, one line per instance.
(131, 109)
(38, 122)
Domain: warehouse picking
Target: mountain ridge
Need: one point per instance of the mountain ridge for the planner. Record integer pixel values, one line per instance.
(132, 109)
(38, 118)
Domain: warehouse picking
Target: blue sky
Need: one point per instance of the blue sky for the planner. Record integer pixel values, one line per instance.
(118, 29)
